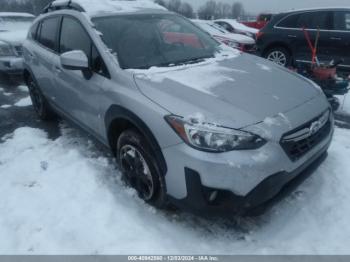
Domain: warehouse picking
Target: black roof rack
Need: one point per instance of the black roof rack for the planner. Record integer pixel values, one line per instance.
(68, 5)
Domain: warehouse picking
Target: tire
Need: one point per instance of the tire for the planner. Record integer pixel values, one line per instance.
(140, 169)
(279, 55)
(40, 104)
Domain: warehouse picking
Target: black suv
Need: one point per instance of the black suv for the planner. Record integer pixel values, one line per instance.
(283, 40)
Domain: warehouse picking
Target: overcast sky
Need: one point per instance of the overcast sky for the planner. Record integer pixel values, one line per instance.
(257, 6)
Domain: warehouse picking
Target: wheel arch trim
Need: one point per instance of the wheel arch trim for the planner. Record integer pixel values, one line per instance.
(119, 113)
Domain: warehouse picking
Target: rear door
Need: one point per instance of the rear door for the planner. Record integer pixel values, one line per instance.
(313, 22)
(79, 92)
(44, 53)
(340, 37)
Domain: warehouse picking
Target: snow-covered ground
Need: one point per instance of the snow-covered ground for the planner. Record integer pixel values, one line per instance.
(64, 196)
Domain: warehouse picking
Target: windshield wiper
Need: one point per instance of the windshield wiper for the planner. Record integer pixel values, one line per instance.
(185, 61)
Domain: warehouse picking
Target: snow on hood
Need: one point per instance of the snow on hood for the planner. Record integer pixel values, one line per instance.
(240, 91)
(13, 37)
(96, 7)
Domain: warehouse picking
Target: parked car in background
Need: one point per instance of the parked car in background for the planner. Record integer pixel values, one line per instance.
(260, 22)
(283, 40)
(233, 26)
(13, 31)
(238, 41)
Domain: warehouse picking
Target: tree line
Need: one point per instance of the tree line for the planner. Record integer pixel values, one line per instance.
(212, 9)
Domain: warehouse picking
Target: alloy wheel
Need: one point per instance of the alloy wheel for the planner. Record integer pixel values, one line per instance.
(137, 172)
(278, 57)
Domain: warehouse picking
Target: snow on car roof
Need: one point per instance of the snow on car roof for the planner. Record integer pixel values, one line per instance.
(316, 8)
(96, 7)
(5, 14)
(239, 26)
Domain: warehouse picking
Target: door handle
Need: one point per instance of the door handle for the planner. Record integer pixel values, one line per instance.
(292, 36)
(336, 38)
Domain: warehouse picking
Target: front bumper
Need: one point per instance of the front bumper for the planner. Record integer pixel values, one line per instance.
(243, 180)
(208, 201)
(11, 65)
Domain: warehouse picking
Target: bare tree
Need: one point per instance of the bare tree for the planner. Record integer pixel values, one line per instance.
(237, 10)
(174, 5)
(226, 11)
(207, 11)
(186, 10)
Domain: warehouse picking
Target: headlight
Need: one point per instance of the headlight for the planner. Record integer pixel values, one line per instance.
(6, 50)
(213, 138)
(231, 43)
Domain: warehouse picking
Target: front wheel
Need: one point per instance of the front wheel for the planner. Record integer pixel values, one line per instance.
(140, 169)
(279, 55)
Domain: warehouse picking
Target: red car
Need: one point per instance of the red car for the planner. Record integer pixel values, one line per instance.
(261, 21)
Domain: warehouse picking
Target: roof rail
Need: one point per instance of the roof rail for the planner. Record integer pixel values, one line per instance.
(68, 5)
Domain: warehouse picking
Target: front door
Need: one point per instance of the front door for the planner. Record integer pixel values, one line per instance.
(78, 92)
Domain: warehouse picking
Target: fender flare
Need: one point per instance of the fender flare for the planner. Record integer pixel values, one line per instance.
(115, 113)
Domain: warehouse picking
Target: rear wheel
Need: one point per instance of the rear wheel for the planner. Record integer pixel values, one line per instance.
(41, 106)
(140, 169)
(279, 55)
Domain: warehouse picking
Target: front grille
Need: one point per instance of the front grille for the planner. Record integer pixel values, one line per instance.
(19, 50)
(300, 141)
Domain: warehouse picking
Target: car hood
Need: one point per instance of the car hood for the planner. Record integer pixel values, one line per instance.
(236, 92)
(13, 37)
(241, 38)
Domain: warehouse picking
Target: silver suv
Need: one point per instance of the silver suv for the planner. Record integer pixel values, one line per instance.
(191, 123)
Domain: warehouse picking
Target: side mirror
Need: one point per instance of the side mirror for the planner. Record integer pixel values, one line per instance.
(74, 60)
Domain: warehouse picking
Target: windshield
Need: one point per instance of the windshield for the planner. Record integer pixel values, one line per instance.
(13, 23)
(143, 41)
(212, 28)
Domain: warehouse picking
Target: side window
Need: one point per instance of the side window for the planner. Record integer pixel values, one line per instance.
(226, 26)
(48, 32)
(33, 31)
(315, 20)
(290, 21)
(74, 37)
(342, 21)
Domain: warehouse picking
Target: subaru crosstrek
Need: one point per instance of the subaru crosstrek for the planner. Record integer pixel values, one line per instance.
(192, 123)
